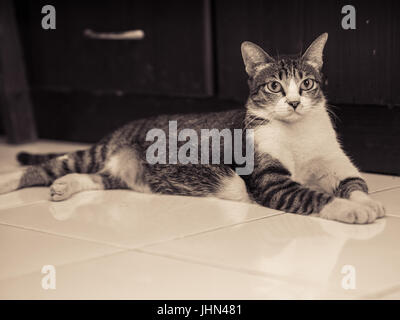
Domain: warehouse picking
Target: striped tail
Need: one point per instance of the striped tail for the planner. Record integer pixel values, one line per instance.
(26, 158)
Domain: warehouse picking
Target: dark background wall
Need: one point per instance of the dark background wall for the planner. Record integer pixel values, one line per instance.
(359, 64)
(169, 60)
(190, 61)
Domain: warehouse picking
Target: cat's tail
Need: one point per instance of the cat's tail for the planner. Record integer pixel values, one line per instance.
(26, 158)
(46, 168)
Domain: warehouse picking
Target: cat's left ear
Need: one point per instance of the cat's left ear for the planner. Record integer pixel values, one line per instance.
(314, 53)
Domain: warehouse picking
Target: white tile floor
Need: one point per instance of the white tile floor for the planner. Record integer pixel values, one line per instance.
(125, 245)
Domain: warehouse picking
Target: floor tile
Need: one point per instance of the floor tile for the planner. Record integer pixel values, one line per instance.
(379, 182)
(391, 200)
(393, 296)
(388, 294)
(24, 197)
(305, 249)
(25, 251)
(129, 219)
(134, 275)
(190, 248)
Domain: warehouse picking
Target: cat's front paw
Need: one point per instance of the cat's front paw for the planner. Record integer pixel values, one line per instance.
(348, 211)
(364, 199)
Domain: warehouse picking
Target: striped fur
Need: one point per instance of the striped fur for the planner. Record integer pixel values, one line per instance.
(271, 185)
(118, 162)
(299, 165)
(349, 185)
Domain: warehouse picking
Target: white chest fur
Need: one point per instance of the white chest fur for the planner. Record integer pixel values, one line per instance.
(299, 145)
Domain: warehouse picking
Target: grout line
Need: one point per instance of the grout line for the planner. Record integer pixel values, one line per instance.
(140, 249)
(385, 189)
(189, 235)
(392, 215)
(258, 274)
(241, 270)
(127, 247)
(60, 235)
(255, 273)
(15, 206)
(265, 275)
(66, 264)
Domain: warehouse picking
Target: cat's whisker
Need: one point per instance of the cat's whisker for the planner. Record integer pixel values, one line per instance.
(277, 54)
(301, 51)
(334, 117)
(250, 122)
(247, 124)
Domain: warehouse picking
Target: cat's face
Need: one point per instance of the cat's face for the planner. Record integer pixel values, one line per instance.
(284, 89)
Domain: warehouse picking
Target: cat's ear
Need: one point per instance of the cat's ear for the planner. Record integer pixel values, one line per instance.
(314, 53)
(253, 55)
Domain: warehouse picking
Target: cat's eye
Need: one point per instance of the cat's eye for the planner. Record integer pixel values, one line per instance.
(273, 86)
(307, 84)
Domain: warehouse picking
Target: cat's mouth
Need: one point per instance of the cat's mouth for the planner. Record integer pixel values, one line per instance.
(290, 115)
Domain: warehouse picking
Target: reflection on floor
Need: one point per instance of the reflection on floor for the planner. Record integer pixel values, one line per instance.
(126, 245)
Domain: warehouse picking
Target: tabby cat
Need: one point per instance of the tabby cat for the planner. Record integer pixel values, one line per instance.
(299, 165)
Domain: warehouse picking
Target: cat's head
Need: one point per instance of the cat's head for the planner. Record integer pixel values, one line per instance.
(284, 88)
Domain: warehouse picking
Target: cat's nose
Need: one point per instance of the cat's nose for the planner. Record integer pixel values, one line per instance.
(294, 104)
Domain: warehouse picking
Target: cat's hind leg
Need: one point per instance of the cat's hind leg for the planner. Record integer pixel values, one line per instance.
(121, 170)
(196, 180)
(122, 162)
(45, 173)
(64, 187)
(233, 187)
(10, 181)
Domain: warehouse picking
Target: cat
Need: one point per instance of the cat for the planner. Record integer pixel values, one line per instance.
(299, 165)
